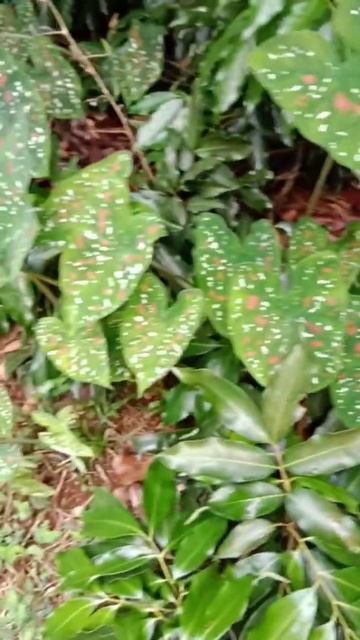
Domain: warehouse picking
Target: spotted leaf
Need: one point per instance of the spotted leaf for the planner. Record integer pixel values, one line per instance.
(95, 193)
(349, 251)
(321, 93)
(217, 253)
(262, 247)
(101, 268)
(259, 324)
(137, 65)
(346, 390)
(153, 335)
(318, 304)
(308, 238)
(11, 38)
(346, 21)
(56, 79)
(6, 413)
(22, 118)
(80, 355)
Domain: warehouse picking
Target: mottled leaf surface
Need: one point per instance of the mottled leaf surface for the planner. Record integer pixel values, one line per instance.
(6, 413)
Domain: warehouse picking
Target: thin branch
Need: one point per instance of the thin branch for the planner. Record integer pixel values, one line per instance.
(319, 186)
(79, 57)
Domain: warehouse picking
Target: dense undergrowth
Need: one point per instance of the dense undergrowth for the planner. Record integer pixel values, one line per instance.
(165, 261)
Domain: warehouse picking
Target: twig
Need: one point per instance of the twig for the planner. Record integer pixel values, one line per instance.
(89, 68)
(320, 183)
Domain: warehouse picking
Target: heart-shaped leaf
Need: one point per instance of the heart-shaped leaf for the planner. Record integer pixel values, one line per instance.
(57, 81)
(307, 79)
(346, 390)
(100, 269)
(217, 253)
(6, 413)
(153, 335)
(132, 69)
(95, 195)
(79, 354)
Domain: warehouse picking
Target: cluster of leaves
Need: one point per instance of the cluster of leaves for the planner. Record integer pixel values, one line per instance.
(258, 537)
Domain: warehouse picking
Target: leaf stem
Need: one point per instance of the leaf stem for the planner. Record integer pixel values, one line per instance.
(319, 186)
(43, 288)
(79, 57)
(160, 557)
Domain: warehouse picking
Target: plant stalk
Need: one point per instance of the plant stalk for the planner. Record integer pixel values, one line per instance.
(319, 186)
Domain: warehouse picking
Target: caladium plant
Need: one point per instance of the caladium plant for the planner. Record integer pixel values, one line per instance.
(265, 305)
(242, 535)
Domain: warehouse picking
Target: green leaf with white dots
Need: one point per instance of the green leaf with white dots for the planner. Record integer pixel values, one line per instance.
(137, 65)
(56, 79)
(18, 229)
(100, 269)
(95, 195)
(262, 247)
(11, 38)
(217, 253)
(346, 22)
(153, 335)
(306, 78)
(308, 238)
(345, 391)
(81, 355)
(318, 303)
(349, 252)
(6, 413)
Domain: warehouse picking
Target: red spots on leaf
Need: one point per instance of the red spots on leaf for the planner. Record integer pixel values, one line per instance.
(10, 168)
(313, 328)
(357, 348)
(101, 220)
(218, 297)
(91, 276)
(220, 276)
(131, 259)
(274, 360)
(331, 302)
(309, 79)
(250, 354)
(307, 302)
(216, 262)
(154, 229)
(302, 101)
(252, 303)
(260, 321)
(3, 79)
(8, 97)
(121, 296)
(327, 270)
(316, 344)
(351, 329)
(344, 105)
(105, 243)
(107, 196)
(79, 242)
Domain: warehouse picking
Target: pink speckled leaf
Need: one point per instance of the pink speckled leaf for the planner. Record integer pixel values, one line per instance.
(307, 238)
(81, 355)
(153, 335)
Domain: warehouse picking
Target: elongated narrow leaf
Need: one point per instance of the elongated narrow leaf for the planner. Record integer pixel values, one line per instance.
(235, 409)
(81, 355)
(246, 502)
(323, 520)
(213, 605)
(285, 390)
(346, 389)
(198, 544)
(133, 624)
(156, 128)
(100, 270)
(245, 537)
(107, 518)
(216, 255)
(93, 198)
(322, 455)
(291, 617)
(346, 584)
(219, 459)
(159, 496)
(153, 335)
(68, 619)
(6, 413)
(325, 632)
(260, 565)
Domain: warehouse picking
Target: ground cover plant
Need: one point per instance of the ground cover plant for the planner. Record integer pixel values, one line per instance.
(154, 261)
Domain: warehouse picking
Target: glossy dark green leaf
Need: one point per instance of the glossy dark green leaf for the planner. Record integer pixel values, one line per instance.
(222, 147)
(75, 568)
(213, 605)
(234, 408)
(260, 565)
(69, 618)
(120, 556)
(245, 537)
(294, 569)
(325, 454)
(331, 492)
(291, 617)
(325, 632)
(106, 518)
(198, 544)
(284, 392)
(246, 502)
(219, 459)
(321, 519)
(133, 625)
(156, 128)
(159, 496)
